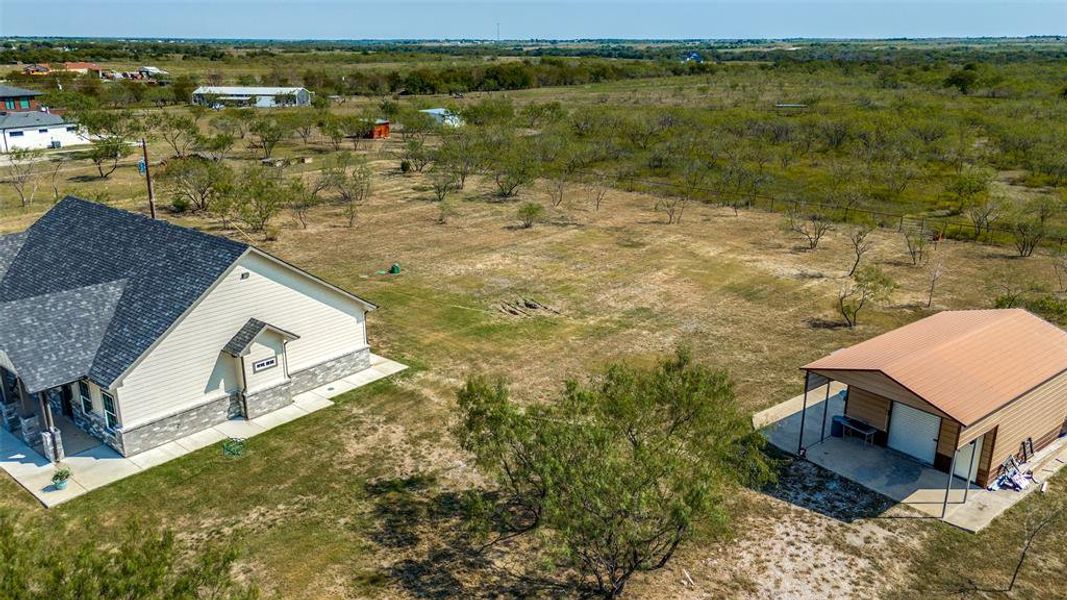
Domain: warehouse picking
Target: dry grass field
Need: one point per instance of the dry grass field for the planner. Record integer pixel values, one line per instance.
(363, 499)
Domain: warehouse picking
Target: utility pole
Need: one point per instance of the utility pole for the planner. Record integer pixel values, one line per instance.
(148, 179)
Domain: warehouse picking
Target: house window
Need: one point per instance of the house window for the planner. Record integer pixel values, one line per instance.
(86, 398)
(263, 365)
(24, 103)
(15, 134)
(110, 415)
(42, 131)
(9, 104)
(72, 128)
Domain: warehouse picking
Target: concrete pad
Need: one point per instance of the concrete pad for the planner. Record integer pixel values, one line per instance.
(899, 477)
(279, 417)
(159, 455)
(311, 402)
(99, 465)
(200, 439)
(239, 428)
(335, 388)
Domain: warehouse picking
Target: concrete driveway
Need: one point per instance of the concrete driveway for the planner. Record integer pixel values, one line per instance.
(100, 465)
(889, 473)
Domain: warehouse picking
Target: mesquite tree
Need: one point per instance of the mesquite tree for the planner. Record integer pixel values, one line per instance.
(619, 471)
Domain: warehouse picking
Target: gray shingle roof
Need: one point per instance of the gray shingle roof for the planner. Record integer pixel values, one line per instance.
(80, 244)
(29, 118)
(50, 340)
(248, 333)
(9, 247)
(10, 91)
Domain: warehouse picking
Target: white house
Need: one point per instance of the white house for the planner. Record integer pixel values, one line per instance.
(36, 129)
(144, 332)
(259, 97)
(443, 116)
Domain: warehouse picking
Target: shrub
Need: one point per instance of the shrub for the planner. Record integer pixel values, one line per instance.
(180, 205)
(530, 213)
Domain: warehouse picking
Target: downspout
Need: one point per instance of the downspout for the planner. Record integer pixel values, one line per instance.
(242, 394)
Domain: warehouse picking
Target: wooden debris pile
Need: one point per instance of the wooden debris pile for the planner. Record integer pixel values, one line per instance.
(525, 307)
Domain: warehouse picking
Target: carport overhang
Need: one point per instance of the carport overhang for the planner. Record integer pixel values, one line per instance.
(878, 382)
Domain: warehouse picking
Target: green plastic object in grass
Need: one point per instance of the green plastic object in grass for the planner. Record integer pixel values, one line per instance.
(394, 269)
(233, 447)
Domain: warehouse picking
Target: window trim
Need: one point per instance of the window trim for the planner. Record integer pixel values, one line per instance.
(87, 397)
(111, 415)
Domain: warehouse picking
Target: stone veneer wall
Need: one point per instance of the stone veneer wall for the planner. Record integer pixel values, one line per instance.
(93, 423)
(273, 398)
(179, 425)
(262, 402)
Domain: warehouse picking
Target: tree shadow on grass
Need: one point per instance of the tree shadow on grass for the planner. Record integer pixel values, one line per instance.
(429, 531)
(807, 485)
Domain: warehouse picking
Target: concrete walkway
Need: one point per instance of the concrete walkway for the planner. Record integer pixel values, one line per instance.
(889, 473)
(100, 465)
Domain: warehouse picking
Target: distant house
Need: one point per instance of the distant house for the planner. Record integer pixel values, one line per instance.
(37, 69)
(144, 332)
(83, 68)
(443, 116)
(36, 129)
(18, 99)
(693, 57)
(259, 97)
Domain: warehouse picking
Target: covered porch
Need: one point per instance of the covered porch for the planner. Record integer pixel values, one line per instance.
(53, 421)
(931, 492)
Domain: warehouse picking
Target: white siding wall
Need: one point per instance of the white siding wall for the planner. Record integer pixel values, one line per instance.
(187, 367)
(268, 345)
(32, 137)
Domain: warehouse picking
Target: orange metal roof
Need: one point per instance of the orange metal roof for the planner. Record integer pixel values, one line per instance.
(966, 363)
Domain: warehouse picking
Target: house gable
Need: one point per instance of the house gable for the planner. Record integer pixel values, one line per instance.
(188, 365)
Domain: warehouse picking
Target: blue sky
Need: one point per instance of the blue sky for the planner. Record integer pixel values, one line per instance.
(523, 19)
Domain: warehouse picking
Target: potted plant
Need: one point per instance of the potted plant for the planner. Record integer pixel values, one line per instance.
(61, 477)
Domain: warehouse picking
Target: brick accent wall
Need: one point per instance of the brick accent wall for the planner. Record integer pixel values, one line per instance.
(176, 426)
(269, 400)
(331, 370)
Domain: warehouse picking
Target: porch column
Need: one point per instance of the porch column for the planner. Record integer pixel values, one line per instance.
(825, 409)
(970, 469)
(948, 485)
(46, 411)
(803, 414)
(51, 439)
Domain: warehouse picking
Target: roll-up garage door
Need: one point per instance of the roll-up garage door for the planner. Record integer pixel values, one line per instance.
(914, 432)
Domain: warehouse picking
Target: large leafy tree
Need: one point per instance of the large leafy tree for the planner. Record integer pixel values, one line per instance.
(621, 469)
(111, 133)
(196, 182)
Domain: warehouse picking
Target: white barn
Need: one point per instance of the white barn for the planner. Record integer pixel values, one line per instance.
(258, 97)
(145, 332)
(35, 130)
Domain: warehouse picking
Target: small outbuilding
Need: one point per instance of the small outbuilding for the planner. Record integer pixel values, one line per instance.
(962, 391)
(443, 116)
